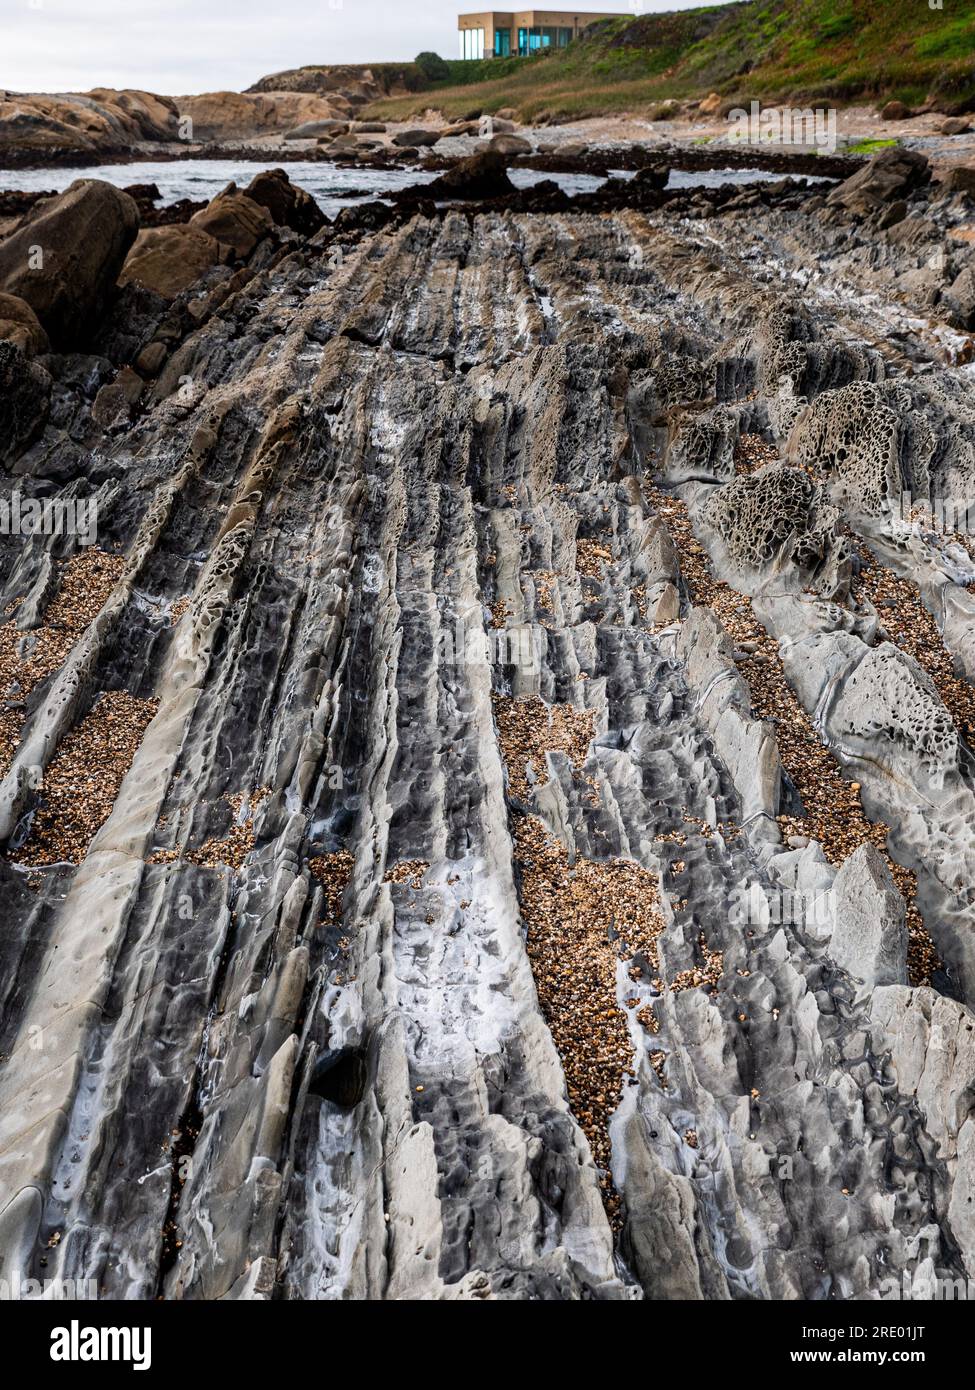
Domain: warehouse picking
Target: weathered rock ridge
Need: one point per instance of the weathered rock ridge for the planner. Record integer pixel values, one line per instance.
(478, 825)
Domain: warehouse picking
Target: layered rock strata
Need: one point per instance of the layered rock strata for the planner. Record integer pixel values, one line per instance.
(522, 860)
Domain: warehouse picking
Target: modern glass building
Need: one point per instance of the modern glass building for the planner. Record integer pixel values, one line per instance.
(494, 34)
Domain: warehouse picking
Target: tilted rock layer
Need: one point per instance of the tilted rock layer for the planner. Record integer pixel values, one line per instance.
(418, 877)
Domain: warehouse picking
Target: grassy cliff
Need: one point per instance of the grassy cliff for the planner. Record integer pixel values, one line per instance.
(844, 50)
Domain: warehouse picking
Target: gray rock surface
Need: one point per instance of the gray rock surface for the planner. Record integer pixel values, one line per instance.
(870, 936)
(282, 1025)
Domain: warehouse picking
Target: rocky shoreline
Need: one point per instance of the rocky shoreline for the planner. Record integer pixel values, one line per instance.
(479, 822)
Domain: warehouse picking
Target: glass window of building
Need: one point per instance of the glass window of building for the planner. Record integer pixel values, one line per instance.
(502, 43)
(472, 43)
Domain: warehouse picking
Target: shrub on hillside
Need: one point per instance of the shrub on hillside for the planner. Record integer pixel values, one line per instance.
(432, 66)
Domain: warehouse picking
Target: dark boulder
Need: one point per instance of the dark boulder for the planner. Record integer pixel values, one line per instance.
(65, 256)
(288, 205)
(655, 176)
(894, 174)
(25, 401)
(482, 175)
(413, 138)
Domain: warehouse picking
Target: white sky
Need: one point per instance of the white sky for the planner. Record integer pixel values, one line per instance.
(182, 46)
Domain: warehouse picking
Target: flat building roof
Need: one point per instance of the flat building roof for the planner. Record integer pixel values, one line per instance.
(529, 19)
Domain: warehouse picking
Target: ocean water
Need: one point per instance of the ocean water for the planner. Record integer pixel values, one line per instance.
(331, 187)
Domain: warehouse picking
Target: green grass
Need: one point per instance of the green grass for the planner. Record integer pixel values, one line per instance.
(871, 146)
(776, 50)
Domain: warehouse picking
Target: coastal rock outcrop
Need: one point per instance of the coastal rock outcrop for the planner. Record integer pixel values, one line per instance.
(239, 115)
(25, 398)
(234, 220)
(99, 120)
(881, 181)
(493, 816)
(168, 260)
(870, 938)
(481, 175)
(21, 326)
(336, 78)
(289, 205)
(65, 256)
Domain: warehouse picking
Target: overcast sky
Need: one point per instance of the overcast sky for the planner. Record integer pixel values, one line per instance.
(183, 46)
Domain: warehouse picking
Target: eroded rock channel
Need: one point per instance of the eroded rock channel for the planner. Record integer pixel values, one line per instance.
(493, 815)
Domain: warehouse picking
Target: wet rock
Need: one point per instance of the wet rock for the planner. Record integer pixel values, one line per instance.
(896, 111)
(870, 936)
(19, 325)
(654, 176)
(65, 257)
